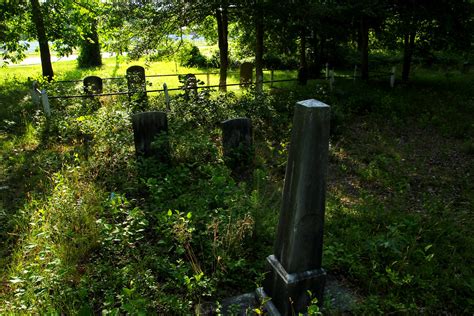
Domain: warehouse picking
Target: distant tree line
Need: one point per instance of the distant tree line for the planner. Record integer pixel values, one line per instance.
(310, 33)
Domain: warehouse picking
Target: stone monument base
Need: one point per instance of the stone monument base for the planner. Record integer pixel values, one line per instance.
(289, 291)
(339, 300)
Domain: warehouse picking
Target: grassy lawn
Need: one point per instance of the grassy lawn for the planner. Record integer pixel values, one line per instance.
(86, 228)
(115, 67)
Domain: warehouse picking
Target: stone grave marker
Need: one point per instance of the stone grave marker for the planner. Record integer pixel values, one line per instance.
(93, 85)
(147, 126)
(295, 266)
(246, 74)
(136, 83)
(237, 145)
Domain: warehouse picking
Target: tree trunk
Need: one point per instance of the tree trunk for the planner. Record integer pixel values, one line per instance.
(409, 44)
(42, 40)
(222, 33)
(90, 49)
(364, 48)
(259, 49)
(303, 71)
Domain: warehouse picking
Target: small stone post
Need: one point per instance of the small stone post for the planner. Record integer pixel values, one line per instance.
(136, 83)
(167, 96)
(45, 102)
(392, 78)
(147, 126)
(295, 266)
(237, 145)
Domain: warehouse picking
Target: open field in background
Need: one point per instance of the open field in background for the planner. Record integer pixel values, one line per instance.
(116, 68)
(84, 230)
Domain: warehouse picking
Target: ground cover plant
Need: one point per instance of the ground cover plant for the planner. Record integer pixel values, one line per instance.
(87, 228)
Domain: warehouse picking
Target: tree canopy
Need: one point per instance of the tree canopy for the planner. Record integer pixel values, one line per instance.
(299, 33)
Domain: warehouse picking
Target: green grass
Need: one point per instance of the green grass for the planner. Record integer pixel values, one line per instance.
(86, 228)
(116, 68)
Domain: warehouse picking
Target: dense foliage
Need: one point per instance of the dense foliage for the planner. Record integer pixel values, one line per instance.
(302, 34)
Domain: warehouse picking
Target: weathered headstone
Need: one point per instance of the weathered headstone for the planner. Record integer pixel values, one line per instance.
(93, 85)
(295, 266)
(246, 74)
(136, 83)
(237, 145)
(149, 133)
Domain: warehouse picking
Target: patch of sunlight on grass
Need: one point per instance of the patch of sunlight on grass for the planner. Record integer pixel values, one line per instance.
(58, 233)
(30, 136)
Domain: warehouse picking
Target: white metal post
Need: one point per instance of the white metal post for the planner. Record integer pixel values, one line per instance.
(331, 80)
(392, 78)
(45, 101)
(167, 97)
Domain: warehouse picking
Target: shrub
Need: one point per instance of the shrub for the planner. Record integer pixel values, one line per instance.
(190, 56)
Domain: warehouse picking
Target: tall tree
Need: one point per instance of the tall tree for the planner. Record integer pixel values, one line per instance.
(44, 21)
(90, 55)
(222, 18)
(45, 54)
(259, 37)
(89, 13)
